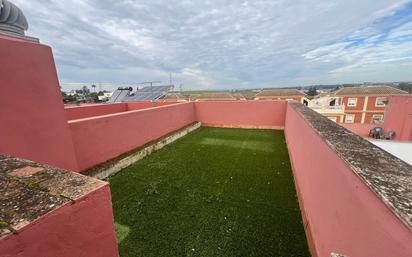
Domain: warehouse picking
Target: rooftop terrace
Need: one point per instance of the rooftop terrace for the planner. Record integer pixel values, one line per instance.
(215, 192)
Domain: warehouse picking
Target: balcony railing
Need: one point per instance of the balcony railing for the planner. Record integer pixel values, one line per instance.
(338, 109)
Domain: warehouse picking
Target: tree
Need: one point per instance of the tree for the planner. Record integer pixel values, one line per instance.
(85, 90)
(312, 91)
(406, 87)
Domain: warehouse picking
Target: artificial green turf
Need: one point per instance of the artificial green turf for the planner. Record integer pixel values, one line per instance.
(215, 192)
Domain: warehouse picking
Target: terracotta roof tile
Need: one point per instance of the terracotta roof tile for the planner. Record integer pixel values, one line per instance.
(375, 90)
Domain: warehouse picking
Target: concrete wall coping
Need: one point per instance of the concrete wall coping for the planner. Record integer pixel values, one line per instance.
(389, 177)
(29, 191)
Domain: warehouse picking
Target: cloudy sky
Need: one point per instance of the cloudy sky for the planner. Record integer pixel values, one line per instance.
(225, 44)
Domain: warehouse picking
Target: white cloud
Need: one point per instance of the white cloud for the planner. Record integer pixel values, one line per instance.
(216, 43)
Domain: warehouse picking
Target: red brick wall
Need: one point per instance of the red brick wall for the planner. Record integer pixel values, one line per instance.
(357, 118)
(359, 105)
(369, 117)
(372, 102)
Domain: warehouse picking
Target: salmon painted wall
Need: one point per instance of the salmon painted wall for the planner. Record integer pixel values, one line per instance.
(33, 125)
(102, 138)
(144, 105)
(342, 214)
(87, 111)
(398, 117)
(359, 129)
(248, 114)
(81, 228)
(81, 112)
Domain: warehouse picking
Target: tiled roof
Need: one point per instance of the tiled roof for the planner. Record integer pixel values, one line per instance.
(375, 90)
(281, 92)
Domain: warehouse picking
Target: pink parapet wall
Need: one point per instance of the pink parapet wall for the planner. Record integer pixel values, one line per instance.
(341, 213)
(32, 118)
(80, 228)
(360, 129)
(398, 117)
(86, 111)
(102, 138)
(242, 114)
(132, 106)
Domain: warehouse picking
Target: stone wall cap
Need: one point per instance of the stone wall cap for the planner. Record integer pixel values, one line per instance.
(387, 176)
(29, 190)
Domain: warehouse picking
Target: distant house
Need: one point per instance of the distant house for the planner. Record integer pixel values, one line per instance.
(105, 96)
(356, 104)
(328, 105)
(282, 94)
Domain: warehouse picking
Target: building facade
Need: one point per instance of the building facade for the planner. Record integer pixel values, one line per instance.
(365, 105)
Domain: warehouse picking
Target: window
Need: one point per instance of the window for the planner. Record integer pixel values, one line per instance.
(377, 118)
(381, 101)
(352, 101)
(350, 118)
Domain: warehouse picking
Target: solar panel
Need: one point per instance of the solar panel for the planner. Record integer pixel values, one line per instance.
(119, 95)
(114, 96)
(144, 94)
(149, 93)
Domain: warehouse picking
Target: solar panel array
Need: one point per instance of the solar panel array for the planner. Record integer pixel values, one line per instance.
(144, 94)
(149, 93)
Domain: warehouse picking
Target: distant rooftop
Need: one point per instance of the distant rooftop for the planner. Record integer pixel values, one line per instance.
(281, 92)
(374, 90)
(215, 96)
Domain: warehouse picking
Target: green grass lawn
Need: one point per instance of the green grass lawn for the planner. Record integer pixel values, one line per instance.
(215, 192)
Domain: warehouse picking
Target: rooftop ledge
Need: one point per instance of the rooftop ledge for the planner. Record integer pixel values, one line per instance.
(29, 190)
(389, 177)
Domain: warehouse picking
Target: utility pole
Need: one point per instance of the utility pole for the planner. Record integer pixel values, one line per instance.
(151, 87)
(170, 79)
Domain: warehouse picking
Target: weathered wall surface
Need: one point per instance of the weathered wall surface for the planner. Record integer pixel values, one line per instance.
(87, 111)
(51, 212)
(341, 213)
(100, 139)
(32, 119)
(243, 114)
(398, 117)
(82, 228)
